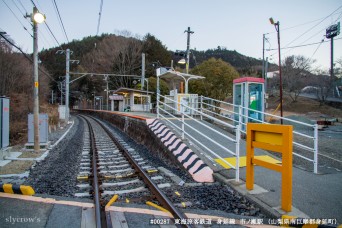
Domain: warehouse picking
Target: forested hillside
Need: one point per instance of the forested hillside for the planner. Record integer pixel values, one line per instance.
(105, 54)
(245, 65)
(121, 54)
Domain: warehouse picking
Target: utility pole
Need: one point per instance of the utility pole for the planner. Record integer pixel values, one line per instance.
(142, 70)
(67, 79)
(107, 90)
(36, 84)
(36, 19)
(263, 56)
(61, 83)
(276, 25)
(332, 58)
(331, 32)
(266, 69)
(188, 50)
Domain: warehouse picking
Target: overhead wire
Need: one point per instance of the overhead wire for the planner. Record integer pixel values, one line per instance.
(299, 25)
(22, 5)
(313, 26)
(304, 45)
(29, 21)
(25, 55)
(320, 31)
(317, 49)
(321, 20)
(34, 4)
(47, 26)
(17, 18)
(60, 19)
(53, 35)
(18, 8)
(99, 21)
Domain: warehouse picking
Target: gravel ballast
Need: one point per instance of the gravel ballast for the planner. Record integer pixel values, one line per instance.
(57, 173)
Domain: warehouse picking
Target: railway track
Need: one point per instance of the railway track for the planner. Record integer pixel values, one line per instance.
(109, 167)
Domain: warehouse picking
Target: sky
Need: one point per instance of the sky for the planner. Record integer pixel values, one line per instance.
(236, 25)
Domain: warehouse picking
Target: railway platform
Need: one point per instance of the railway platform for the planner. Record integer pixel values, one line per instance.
(45, 212)
(316, 196)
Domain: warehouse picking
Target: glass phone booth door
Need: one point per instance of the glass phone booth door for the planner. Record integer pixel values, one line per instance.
(248, 93)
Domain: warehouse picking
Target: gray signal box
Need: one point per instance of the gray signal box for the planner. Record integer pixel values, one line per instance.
(4, 122)
(43, 128)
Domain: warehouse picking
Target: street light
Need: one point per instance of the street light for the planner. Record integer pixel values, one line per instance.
(36, 19)
(182, 61)
(276, 25)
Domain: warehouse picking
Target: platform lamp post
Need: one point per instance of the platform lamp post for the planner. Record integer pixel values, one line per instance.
(36, 18)
(276, 25)
(188, 50)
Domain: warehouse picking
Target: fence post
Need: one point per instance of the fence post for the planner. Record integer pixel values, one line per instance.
(182, 111)
(316, 148)
(157, 106)
(240, 118)
(237, 153)
(201, 105)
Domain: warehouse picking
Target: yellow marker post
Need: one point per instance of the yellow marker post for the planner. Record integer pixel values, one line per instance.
(112, 200)
(156, 206)
(27, 190)
(276, 138)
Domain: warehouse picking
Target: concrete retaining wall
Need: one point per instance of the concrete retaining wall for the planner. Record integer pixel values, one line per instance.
(137, 128)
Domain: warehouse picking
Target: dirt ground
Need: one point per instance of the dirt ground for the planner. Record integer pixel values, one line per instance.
(16, 167)
(310, 108)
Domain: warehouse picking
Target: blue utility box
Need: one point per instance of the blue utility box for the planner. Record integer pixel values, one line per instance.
(4, 122)
(43, 128)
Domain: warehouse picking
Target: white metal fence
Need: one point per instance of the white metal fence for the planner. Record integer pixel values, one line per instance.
(168, 108)
(305, 135)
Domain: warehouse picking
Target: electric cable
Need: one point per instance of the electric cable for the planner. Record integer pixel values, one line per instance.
(285, 47)
(99, 21)
(313, 27)
(25, 55)
(48, 27)
(17, 18)
(60, 19)
(304, 45)
(22, 5)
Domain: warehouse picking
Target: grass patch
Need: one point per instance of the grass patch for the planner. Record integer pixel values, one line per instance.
(31, 154)
(16, 167)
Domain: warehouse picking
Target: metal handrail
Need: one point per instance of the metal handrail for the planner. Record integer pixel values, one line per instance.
(162, 108)
(243, 119)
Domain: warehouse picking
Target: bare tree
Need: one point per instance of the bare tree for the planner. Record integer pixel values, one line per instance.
(296, 70)
(321, 85)
(115, 54)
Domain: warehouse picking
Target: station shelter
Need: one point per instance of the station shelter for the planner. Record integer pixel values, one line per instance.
(248, 92)
(130, 100)
(177, 96)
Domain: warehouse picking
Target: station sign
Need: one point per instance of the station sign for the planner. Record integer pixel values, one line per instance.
(333, 30)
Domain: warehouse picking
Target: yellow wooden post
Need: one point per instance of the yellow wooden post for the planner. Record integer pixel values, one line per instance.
(276, 138)
(286, 189)
(249, 164)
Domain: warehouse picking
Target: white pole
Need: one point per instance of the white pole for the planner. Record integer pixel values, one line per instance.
(316, 148)
(36, 85)
(67, 78)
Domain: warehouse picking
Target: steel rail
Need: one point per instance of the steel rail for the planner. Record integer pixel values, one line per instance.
(100, 217)
(160, 196)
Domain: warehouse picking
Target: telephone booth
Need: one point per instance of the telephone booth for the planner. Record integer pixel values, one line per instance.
(248, 93)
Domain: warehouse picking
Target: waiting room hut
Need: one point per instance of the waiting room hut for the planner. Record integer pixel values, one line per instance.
(130, 100)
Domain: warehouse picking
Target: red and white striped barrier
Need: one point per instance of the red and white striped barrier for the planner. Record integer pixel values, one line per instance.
(193, 164)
